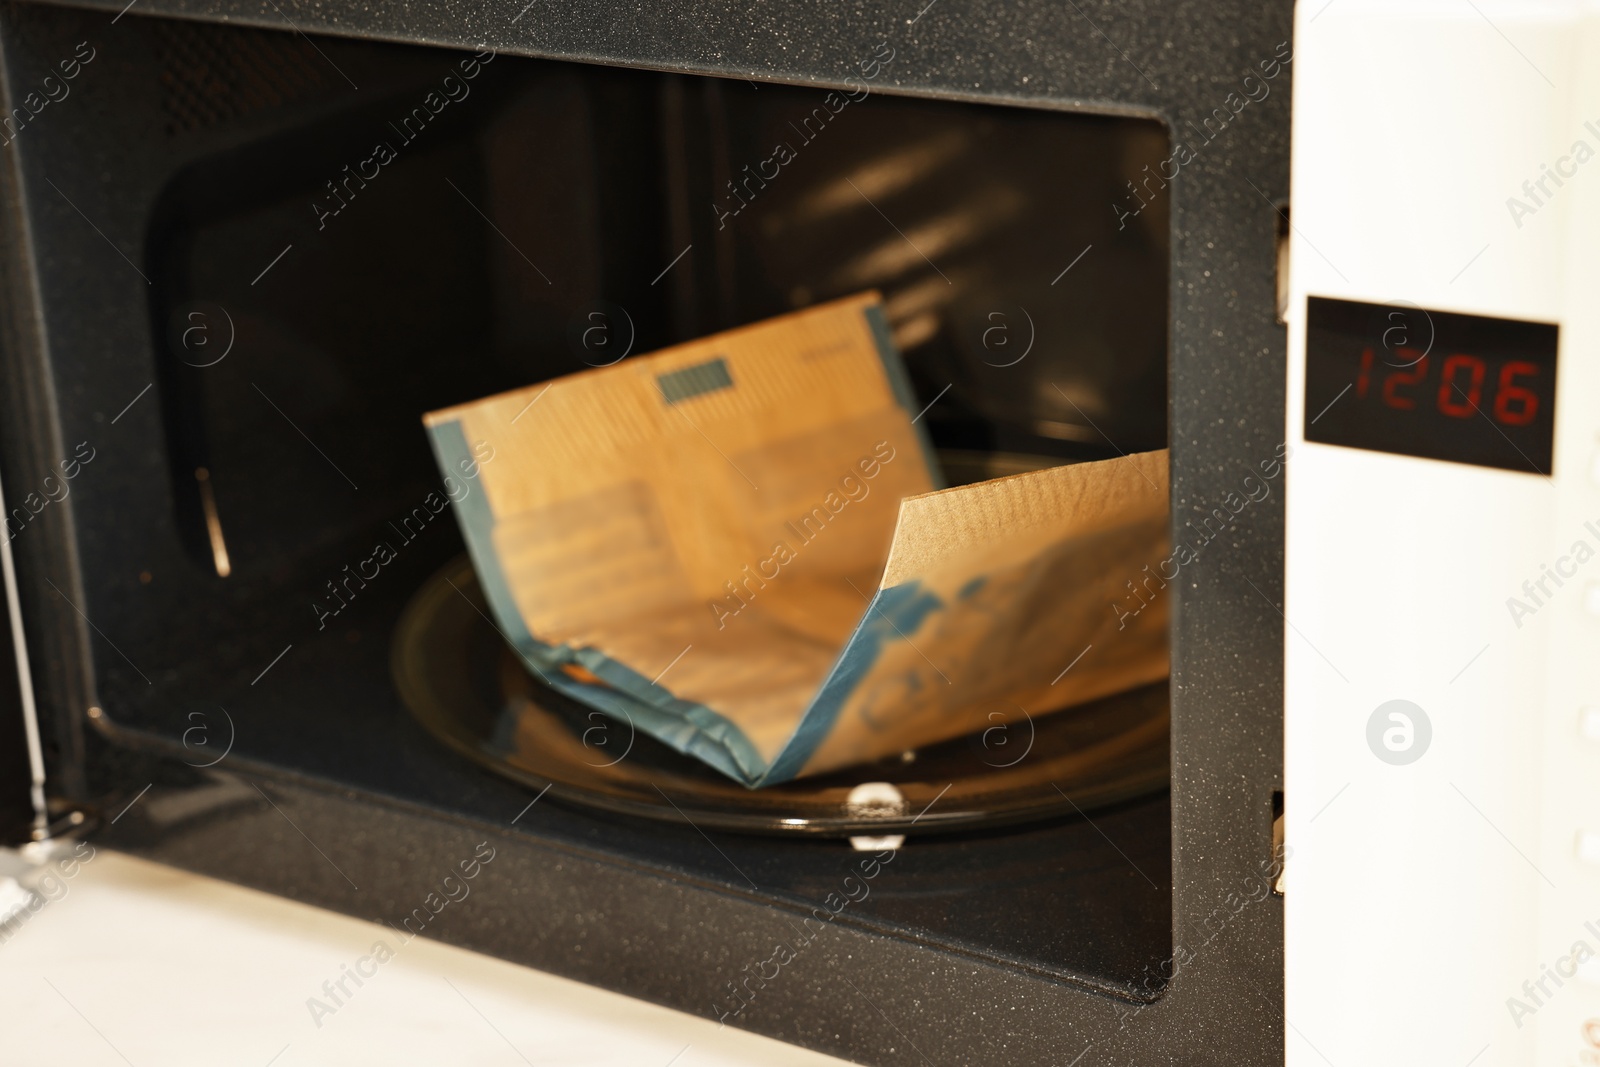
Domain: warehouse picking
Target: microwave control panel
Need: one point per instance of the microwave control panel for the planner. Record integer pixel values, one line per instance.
(1442, 584)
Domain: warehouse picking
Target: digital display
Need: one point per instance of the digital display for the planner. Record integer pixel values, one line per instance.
(1436, 384)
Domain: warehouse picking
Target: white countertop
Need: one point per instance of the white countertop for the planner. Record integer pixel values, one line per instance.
(142, 965)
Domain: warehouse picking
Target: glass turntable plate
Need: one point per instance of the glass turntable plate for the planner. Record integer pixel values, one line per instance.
(463, 682)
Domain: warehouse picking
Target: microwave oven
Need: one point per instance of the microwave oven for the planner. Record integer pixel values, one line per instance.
(247, 245)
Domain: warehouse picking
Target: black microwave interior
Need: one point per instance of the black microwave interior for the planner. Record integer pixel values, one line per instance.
(299, 297)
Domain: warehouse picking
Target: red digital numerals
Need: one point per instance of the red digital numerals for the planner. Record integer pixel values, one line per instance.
(1462, 382)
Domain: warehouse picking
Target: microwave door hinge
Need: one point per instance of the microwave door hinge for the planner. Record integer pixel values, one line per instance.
(30, 711)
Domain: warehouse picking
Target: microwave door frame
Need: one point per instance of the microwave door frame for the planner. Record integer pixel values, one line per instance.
(24, 814)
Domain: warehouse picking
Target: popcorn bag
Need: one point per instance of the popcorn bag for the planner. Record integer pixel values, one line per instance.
(739, 545)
